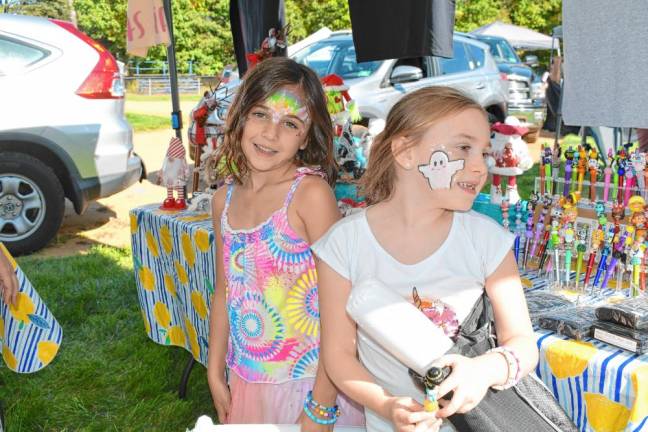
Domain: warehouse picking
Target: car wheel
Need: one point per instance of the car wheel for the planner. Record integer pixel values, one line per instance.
(31, 203)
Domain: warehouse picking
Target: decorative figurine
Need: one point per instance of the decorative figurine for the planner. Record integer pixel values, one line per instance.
(509, 157)
(174, 175)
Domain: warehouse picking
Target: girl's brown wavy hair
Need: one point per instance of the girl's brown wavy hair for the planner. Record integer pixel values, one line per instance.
(409, 117)
(261, 82)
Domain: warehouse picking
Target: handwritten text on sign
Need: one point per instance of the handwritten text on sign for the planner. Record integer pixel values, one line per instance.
(146, 26)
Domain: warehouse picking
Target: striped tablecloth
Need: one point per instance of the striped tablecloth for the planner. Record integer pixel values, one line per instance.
(173, 257)
(29, 334)
(602, 388)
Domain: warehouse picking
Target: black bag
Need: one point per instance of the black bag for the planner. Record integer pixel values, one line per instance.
(528, 406)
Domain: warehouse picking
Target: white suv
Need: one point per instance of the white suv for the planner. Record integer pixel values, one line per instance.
(377, 85)
(63, 133)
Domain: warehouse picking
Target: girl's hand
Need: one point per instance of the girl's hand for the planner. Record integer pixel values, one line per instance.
(407, 415)
(8, 281)
(308, 425)
(469, 381)
(222, 399)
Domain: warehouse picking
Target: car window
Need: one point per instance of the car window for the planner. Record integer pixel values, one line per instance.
(335, 56)
(349, 68)
(477, 56)
(502, 51)
(15, 55)
(458, 63)
(319, 57)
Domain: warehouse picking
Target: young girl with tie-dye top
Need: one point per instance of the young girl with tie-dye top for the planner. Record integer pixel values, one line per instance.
(265, 312)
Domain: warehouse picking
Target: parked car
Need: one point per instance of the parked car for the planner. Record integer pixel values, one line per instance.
(525, 90)
(63, 133)
(377, 85)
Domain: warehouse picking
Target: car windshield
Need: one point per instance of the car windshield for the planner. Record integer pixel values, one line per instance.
(335, 56)
(502, 51)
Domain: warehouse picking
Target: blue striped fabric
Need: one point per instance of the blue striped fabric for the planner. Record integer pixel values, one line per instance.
(30, 336)
(187, 325)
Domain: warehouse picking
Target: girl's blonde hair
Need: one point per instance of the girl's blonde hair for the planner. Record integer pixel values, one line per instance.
(409, 117)
(261, 82)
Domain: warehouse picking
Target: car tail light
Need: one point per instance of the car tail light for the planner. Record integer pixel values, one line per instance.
(503, 76)
(104, 82)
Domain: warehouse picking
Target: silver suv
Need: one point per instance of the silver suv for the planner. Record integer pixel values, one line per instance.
(376, 86)
(63, 133)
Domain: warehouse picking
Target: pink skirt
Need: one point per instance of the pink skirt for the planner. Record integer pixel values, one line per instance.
(280, 403)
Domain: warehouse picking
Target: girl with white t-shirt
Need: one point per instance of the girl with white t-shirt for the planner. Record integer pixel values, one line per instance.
(420, 239)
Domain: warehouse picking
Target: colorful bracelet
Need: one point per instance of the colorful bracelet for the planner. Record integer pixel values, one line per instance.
(330, 414)
(513, 363)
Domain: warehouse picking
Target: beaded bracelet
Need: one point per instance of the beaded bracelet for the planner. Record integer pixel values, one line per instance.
(330, 414)
(513, 363)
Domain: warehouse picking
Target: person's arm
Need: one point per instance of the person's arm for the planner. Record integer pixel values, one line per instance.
(338, 351)
(317, 210)
(471, 377)
(8, 280)
(218, 320)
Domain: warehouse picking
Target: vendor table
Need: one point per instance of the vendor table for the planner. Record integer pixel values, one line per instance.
(601, 387)
(30, 336)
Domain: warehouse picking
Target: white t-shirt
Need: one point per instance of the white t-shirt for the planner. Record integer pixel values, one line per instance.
(448, 283)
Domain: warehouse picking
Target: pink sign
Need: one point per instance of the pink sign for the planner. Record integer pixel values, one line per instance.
(146, 26)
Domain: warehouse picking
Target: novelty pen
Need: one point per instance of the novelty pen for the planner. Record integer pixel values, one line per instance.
(621, 181)
(575, 168)
(527, 242)
(607, 249)
(568, 174)
(628, 187)
(616, 256)
(580, 249)
(546, 203)
(556, 162)
(593, 177)
(582, 161)
(569, 239)
(642, 270)
(607, 177)
(555, 245)
(597, 238)
(638, 160)
(635, 261)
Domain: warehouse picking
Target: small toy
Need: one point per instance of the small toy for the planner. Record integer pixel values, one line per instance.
(174, 175)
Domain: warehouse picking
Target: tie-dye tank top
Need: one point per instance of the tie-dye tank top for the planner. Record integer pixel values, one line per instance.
(272, 300)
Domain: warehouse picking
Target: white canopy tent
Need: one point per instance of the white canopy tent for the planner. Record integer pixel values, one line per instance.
(519, 37)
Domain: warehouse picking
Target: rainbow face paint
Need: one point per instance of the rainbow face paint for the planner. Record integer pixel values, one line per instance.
(286, 103)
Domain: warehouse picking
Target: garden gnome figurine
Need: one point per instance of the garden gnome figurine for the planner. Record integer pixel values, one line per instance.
(174, 175)
(509, 157)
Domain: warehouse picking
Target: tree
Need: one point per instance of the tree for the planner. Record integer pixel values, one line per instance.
(58, 9)
(471, 14)
(308, 16)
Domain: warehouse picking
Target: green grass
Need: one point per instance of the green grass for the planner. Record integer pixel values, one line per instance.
(147, 122)
(160, 98)
(108, 375)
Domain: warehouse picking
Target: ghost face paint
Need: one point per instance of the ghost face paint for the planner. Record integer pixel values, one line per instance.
(275, 130)
(440, 170)
(451, 159)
